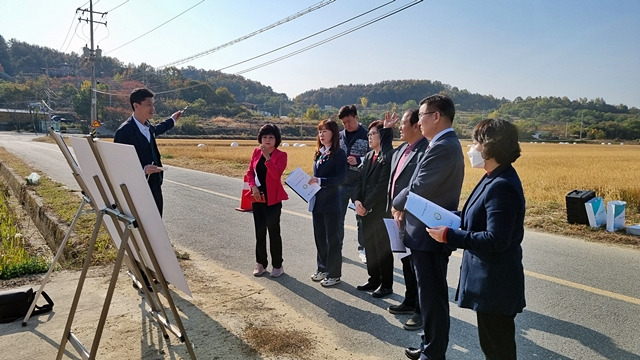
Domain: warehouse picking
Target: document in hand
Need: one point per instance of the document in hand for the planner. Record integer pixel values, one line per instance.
(431, 214)
(395, 237)
(298, 181)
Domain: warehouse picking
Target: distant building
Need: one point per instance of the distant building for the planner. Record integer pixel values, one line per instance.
(60, 70)
(249, 106)
(11, 119)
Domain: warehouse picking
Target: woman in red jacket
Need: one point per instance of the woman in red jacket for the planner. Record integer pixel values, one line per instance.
(264, 174)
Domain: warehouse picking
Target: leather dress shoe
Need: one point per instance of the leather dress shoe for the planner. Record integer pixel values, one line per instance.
(415, 323)
(382, 292)
(401, 308)
(412, 353)
(367, 287)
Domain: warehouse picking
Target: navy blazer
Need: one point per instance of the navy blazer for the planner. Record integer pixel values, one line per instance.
(491, 274)
(437, 178)
(129, 133)
(331, 171)
(409, 166)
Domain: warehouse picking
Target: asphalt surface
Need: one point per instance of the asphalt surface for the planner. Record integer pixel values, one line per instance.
(583, 299)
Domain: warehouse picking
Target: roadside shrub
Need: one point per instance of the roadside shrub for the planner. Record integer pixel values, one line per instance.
(15, 260)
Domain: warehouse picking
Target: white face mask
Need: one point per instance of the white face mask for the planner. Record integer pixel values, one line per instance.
(475, 157)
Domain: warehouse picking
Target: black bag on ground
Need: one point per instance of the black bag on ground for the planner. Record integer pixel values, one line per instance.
(15, 303)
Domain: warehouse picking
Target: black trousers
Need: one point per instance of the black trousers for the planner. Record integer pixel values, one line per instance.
(267, 218)
(378, 249)
(325, 232)
(497, 336)
(155, 184)
(410, 282)
(433, 294)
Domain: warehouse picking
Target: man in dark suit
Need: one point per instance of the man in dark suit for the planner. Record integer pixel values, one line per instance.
(403, 164)
(437, 178)
(139, 132)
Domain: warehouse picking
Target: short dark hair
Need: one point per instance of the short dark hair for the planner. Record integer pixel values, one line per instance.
(332, 126)
(269, 129)
(441, 103)
(499, 139)
(347, 110)
(378, 124)
(413, 116)
(139, 95)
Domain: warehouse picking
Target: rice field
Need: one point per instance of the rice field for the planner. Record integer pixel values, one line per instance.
(548, 172)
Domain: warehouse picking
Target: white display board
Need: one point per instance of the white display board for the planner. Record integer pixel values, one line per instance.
(88, 185)
(122, 166)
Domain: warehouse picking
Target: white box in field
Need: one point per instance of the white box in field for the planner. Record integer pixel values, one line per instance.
(615, 215)
(633, 230)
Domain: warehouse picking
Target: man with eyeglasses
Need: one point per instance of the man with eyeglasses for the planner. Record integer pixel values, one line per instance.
(438, 178)
(354, 142)
(139, 132)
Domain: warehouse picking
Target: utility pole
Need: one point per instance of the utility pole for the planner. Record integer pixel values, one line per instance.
(93, 55)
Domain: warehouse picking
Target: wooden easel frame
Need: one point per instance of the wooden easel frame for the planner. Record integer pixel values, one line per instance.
(128, 251)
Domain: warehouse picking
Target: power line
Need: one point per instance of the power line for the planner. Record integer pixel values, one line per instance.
(329, 39)
(164, 23)
(277, 23)
(307, 37)
(126, 1)
(75, 33)
(68, 31)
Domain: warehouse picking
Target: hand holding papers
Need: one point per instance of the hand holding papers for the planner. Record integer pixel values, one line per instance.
(394, 235)
(298, 181)
(430, 213)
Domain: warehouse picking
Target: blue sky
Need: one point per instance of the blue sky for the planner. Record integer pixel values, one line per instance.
(506, 48)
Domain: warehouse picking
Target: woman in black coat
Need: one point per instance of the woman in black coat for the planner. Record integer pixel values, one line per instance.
(370, 198)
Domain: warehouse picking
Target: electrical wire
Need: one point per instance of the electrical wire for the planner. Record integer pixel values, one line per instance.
(306, 37)
(329, 39)
(242, 38)
(164, 23)
(75, 33)
(68, 31)
(126, 1)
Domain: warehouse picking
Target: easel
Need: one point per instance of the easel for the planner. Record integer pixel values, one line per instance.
(137, 252)
(85, 200)
(80, 212)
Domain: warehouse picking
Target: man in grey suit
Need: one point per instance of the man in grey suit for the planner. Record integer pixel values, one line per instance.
(403, 164)
(437, 178)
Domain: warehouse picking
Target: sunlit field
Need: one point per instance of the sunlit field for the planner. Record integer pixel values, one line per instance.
(548, 173)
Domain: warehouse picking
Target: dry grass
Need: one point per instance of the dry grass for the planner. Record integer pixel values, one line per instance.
(548, 173)
(272, 340)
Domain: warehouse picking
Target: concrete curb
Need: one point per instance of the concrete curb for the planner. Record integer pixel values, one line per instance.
(51, 229)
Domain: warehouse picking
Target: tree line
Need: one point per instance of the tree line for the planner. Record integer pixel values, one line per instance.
(30, 73)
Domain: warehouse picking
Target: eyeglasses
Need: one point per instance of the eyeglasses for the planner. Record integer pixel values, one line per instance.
(372, 134)
(426, 113)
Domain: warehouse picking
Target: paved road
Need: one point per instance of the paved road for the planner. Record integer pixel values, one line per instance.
(583, 299)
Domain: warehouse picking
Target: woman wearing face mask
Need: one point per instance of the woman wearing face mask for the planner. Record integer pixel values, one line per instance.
(329, 171)
(492, 275)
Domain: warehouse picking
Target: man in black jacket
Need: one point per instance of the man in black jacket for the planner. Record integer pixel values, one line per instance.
(139, 132)
(354, 142)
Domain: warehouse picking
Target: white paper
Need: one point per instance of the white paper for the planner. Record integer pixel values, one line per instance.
(596, 212)
(615, 215)
(402, 255)
(121, 162)
(395, 237)
(431, 214)
(298, 181)
(352, 206)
